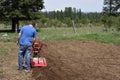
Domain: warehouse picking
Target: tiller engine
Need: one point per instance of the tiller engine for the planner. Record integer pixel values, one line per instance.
(37, 60)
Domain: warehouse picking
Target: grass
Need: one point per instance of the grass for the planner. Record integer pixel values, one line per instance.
(94, 33)
(4, 50)
(82, 33)
(8, 37)
(1, 73)
(103, 37)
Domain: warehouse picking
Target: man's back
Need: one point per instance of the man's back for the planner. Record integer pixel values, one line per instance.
(27, 33)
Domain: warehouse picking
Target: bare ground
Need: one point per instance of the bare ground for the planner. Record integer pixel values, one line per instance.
(67, 60)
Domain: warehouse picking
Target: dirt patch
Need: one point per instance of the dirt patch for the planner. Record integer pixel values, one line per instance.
(79, 60)
(67, 60)
(9, 63)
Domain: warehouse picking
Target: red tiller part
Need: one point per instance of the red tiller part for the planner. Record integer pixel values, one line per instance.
(36, 48)
(38, 61)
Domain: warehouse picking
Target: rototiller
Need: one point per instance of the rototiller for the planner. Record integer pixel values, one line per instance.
(37, 60)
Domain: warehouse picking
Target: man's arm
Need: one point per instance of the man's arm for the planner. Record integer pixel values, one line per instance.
(19, 35)
(34, 36)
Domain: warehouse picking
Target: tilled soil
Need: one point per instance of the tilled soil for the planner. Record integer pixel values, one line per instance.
(67, 60)
(79, 60)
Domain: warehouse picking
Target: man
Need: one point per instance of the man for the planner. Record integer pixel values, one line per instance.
(26, 37)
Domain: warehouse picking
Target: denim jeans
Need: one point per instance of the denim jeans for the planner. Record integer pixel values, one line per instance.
(24, 51)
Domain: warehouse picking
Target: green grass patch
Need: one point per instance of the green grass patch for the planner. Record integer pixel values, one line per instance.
(3, 51)
(82, 33)
(105, 37)
(1, 73)
(8, 37)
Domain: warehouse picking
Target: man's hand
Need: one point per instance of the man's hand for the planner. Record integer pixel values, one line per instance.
(17, 43)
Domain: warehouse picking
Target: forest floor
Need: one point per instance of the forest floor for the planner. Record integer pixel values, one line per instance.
(66, 60)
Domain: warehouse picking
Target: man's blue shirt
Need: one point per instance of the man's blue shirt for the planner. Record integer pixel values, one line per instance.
(27, 33)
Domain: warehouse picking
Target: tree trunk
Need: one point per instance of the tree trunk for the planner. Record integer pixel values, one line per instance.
(15, 24)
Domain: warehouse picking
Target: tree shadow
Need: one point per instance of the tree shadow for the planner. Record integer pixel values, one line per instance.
(8, 31)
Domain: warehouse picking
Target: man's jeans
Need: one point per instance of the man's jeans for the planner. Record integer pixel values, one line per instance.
(24, 51)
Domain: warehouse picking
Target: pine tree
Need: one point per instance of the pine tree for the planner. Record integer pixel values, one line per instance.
(111, 7)
(16, 10)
